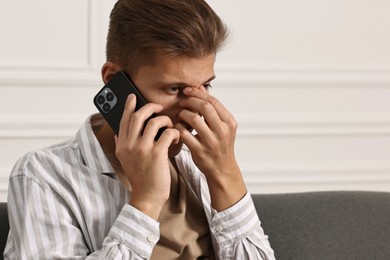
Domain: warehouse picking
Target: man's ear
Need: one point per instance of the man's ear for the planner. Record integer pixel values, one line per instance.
(109, 69)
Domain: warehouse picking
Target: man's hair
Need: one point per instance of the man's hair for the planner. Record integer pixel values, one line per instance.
(140, 30)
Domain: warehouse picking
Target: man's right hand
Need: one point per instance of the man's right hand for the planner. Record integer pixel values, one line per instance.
(145, 161)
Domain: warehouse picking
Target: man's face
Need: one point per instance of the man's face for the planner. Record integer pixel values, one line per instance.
(163, 83)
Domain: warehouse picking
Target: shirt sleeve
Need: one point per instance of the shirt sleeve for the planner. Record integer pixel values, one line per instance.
(237, 232)
(43, 227)
(134, 230)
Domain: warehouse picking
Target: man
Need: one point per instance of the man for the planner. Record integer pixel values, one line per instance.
(127, 196)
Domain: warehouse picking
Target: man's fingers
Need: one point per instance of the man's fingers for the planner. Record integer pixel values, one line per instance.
(125, 120)
(196, 122)
(168, 137)
(202, 94)
(139, 117)
(187, 138)
(196, 92)
(154, 125)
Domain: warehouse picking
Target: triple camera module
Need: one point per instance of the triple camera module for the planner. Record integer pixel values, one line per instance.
(106, 100)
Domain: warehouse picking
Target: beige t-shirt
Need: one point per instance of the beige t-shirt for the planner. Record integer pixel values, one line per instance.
(184, 230)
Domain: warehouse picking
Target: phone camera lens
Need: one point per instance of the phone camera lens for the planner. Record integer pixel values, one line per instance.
(106, 107)
(101, 99)
(110, 96)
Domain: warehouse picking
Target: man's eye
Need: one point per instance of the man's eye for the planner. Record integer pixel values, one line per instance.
(173, 89)
(207, 86)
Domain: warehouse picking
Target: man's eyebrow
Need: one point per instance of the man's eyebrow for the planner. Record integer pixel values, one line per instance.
(210, 79)
(183, 84)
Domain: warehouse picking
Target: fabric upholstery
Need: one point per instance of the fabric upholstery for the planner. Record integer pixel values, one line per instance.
(4, 227)
(332, 225)
(327, 225)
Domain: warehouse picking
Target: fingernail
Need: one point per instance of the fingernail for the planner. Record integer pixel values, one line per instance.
(130, 97)
(187, 90)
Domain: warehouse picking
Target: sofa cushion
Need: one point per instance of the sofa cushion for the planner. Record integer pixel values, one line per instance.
(338, 225)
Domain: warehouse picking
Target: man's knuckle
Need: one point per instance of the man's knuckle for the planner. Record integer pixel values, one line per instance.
(194, 119)
(143, 152)
(153, 122)
(206, 107)
(213, 100)
(233, 123)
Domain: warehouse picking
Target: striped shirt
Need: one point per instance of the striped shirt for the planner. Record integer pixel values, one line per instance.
(65, 202)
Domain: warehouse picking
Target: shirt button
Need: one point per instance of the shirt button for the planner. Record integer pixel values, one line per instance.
(218, 228)
(151, 238)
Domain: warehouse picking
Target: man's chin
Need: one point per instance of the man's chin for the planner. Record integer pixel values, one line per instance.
(174, 149)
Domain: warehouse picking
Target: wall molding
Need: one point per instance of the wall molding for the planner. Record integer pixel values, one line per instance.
(256, 126)
(4, 176)
(86, 73)
(301, 173)
(64, 126)
(231, 73)
(227, 77)
(39, 126)
(306, 177)
(309, 75)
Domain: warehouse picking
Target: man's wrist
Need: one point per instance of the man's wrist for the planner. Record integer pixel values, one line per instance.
(226, 191)
(152, 209)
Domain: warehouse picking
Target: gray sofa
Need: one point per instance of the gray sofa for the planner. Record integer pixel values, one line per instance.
(337, 225)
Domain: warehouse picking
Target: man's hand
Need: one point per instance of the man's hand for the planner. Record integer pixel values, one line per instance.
(144, 161)
(212, 148)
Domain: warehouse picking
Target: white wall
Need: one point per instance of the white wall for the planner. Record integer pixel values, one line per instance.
(308, 81)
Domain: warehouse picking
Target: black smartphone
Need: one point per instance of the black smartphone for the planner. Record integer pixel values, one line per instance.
(111, 100)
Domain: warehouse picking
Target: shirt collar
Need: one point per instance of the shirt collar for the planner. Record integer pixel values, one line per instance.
(91, 150)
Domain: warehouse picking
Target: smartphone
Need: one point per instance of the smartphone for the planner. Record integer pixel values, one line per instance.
(111, 100)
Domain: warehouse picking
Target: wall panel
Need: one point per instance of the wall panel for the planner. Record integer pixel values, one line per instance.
(308, 82)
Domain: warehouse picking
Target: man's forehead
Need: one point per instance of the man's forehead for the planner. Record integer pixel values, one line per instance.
(183, 70)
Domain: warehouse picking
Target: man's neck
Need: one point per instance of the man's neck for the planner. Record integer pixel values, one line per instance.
(106, 138)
